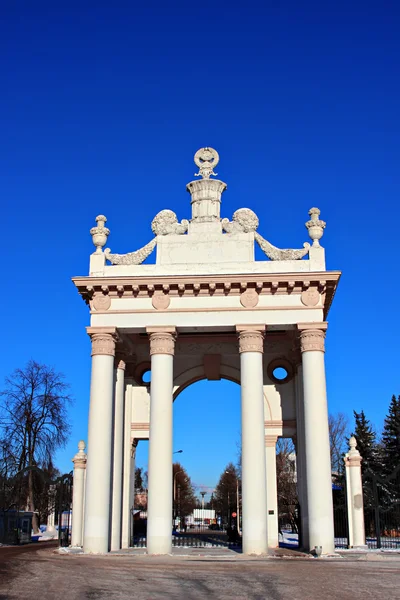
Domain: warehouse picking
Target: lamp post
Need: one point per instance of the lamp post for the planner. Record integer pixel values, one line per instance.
(174, 494)
(237, 501)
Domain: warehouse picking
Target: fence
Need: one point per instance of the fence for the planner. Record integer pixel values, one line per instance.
(382, 509)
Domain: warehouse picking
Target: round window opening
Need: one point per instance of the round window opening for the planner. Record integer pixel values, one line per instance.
(280, 373)
(280, 370)
(146, 377)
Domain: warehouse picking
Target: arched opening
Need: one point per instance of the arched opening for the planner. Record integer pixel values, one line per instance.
(207, 428)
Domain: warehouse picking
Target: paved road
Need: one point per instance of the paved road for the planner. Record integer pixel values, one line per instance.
(40, 574)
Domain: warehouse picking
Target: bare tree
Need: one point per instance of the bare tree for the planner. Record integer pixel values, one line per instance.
(338, 434)
(286, 483)
(34, 421)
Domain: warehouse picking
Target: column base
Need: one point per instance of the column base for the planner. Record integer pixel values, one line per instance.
(360, 547)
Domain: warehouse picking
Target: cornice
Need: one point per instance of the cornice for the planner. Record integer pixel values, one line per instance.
(96, 289)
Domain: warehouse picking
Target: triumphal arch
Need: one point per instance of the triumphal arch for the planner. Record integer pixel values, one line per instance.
(205, 310)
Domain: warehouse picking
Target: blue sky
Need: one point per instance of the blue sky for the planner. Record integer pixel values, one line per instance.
(102, 108)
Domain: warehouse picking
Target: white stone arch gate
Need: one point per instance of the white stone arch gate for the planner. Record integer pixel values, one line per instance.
(207, 309)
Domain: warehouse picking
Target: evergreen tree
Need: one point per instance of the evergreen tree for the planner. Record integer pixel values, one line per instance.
(391, 437)
(367, 444)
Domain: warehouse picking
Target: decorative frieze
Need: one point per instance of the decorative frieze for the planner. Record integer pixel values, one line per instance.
(314, 289)
(251, 340)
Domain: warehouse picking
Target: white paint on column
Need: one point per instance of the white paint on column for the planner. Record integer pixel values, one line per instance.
(98, 476)
(116, 519)
(254, 492)
(272, 496)
(317, 451)
(159, 511)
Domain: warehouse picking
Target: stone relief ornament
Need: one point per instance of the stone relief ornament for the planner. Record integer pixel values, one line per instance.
(101, 302)
(245, 220)
(166, 223)
(275, 253)
(206, 159)
(315, 226)
(99, 233)
(310, 297)
(249, 299)
(160, 301)
(132, 258)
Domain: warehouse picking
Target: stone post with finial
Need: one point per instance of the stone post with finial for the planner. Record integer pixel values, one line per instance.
(99, 235)
(315, 227)
(78, 494)
(206, 194)
(355, 504)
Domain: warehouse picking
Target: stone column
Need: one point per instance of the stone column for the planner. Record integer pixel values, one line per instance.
(254, 489)
(272, 491)
(116, 518)
(159, 509)
(355, 506)
(126, 505)
(50, 526)
(301, 460)
(317, 449)
(98, 472)
(78, 495)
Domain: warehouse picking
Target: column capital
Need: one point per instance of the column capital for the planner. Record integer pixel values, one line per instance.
(80, 457)
(353, 457)
(312, 336)
(103, 340)
(162, 340)
(251, 338)
(120, 363)
(270, 441)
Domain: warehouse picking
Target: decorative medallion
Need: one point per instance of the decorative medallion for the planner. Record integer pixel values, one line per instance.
(160, 301)
(310, 297)
(101, 302)
(249, 299)
(206, 159)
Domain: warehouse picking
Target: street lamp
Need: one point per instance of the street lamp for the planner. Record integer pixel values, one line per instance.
(237, 500)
